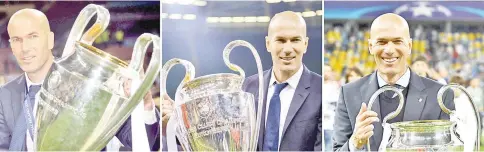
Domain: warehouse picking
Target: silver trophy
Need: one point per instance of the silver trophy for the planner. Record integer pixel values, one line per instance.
(84, 99)
(432, 135)
(212, 113)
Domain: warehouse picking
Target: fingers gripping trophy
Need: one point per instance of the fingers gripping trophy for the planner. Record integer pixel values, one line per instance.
(429, 135)
(212, 113)
(82, 103)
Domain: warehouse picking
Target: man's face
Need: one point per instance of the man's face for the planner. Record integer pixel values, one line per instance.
(30, 44)
(421, 68)
(287, 45)
(390, 47)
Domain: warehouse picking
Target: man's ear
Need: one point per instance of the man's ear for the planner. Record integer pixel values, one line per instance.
(370, 46)
(306, 42)
(410, 46)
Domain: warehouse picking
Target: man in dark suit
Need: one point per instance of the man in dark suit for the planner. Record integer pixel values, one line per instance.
(292, 116)
(390, 44)
(292, 97)
(31, 41)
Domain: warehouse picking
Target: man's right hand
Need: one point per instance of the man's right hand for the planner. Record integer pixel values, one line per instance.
(166, 110)
(363, 126)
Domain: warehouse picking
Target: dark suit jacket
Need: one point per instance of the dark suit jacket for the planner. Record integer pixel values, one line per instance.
(353, 94)
(11, 99)
(303, 127)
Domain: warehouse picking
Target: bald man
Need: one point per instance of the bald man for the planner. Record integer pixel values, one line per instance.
(390, 44)
(292, 105)
(292, 102)
(31, 41)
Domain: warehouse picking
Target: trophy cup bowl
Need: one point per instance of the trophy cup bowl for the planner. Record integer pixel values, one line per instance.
(83, 100)
(217, 115)
(430, 135)
(426, 135)
(212, 113)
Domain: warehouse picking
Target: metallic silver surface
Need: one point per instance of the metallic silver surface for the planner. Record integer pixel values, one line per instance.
(84, 99)
(212, 113)
(431, 135)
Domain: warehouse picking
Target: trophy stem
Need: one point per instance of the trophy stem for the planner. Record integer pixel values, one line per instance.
(226, 56)
(80, 24)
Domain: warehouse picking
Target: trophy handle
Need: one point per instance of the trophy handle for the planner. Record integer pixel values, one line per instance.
(440, 100)
(390, 115)
(80, 24)
(136, 64)
(226, 55)
(173, 121)
(140, 48)
(189, 72)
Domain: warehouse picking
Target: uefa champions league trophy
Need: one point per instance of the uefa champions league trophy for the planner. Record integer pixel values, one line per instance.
(83, 102)
(212, 112)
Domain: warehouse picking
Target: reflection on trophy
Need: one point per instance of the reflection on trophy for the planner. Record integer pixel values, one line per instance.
(212, 113)
(431, 135)
(82, 103)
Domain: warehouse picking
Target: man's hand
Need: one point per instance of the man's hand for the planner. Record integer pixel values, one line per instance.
(148, 98)
(363, 126)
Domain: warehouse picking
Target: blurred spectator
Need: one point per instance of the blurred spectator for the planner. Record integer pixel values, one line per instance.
(457, 80)
(476, 93)
(464, 112)
(119, 36)
(330, 98)
(353, 74)
(442, 71)
(421, 67)
(331, 89)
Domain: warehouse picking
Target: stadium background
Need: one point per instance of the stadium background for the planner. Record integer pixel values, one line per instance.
(449, 35)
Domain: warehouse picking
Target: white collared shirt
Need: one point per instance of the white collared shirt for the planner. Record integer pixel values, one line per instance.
(149, 116)
(286, 96)
(403, 81)
(29, 141)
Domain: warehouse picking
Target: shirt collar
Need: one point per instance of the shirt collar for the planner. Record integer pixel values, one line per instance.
(29, 82)
(293, 81)
(403, 81)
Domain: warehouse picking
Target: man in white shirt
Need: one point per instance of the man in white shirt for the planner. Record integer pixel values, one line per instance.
(31, 41)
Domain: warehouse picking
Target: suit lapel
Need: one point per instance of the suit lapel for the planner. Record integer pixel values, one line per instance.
(300, 96)
(367, 91)
(415, 99)
(267, 76)
(18, 96)
(19, 134)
